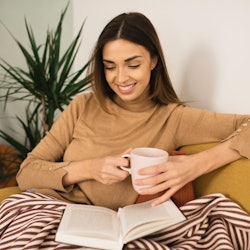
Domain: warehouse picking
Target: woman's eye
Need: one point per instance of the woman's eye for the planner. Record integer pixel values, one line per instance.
(109, 67)
(134, 66)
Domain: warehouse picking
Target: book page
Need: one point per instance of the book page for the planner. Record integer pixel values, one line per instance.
(141, 219)
(90, 221)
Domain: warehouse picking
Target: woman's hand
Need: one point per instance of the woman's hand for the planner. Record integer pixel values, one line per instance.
(105, 170)
(171, 176)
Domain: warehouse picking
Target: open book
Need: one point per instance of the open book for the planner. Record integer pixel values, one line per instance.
(103, 228)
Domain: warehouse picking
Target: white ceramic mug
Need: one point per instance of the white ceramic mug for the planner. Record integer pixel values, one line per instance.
(141, 158)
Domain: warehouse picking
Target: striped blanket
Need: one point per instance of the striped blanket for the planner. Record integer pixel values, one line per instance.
(30, 220)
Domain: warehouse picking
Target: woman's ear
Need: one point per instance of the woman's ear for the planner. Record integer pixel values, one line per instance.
(154, 62)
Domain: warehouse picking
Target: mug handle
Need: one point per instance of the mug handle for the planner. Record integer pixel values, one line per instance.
(125, 168)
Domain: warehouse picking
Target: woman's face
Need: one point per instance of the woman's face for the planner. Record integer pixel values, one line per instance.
(127, 68)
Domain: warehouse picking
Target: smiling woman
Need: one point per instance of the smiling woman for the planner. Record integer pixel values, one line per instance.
(151, 71)
(128, 69)
(133, 104)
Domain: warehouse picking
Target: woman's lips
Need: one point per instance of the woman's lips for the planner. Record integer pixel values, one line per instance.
(126, 89)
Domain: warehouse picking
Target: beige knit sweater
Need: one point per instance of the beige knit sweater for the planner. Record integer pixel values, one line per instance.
(84, 130)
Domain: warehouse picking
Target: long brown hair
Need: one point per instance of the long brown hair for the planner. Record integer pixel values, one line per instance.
(136, 28)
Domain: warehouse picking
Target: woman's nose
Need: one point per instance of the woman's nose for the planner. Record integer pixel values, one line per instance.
(121, 76)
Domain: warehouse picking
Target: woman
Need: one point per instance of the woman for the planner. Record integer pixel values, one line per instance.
(133, 104)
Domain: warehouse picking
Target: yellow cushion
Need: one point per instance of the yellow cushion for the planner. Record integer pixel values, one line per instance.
(5, 192)
(232, 180)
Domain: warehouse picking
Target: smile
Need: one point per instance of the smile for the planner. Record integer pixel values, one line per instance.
(127, 88)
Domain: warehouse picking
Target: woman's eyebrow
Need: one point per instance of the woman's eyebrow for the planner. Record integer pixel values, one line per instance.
(107, 61)
(131, 58)
(126, 60)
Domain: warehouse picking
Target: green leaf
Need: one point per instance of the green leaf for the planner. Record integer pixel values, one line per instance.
(46, 83)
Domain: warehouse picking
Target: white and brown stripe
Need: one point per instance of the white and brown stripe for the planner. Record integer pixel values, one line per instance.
(30, 220)
(213, 222)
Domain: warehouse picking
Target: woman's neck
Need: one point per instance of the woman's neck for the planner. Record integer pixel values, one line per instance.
(139, 105)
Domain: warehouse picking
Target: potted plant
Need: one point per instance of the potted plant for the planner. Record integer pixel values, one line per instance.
(47, 84)
(9, 165)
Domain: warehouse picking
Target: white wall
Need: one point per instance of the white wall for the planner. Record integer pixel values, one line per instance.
(206, 43)
(41, 15)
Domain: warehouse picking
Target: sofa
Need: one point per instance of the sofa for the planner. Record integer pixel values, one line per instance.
(232, 180)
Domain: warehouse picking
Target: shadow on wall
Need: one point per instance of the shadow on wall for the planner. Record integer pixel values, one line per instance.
(199, 79)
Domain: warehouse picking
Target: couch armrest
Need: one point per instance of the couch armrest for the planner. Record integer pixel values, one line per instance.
(5, 192)
(232, 180)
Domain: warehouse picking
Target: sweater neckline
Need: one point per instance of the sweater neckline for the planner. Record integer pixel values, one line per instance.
(135, 106)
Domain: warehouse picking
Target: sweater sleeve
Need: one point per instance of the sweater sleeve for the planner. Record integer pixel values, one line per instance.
(194, 126)
(43, 167)
(241, 139)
